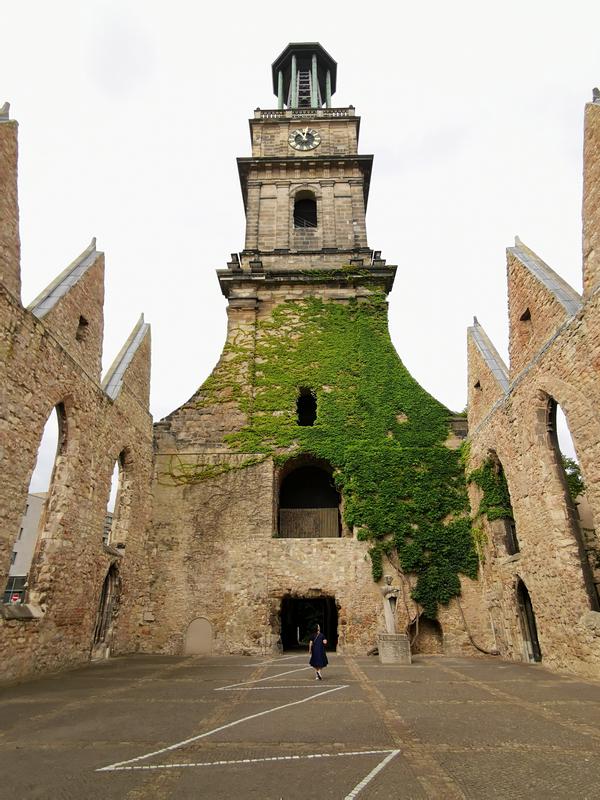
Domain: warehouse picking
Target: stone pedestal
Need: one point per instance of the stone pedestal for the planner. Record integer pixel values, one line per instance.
(394, 648)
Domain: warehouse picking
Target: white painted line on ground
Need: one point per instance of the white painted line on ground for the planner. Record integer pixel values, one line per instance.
(260, 680)
(368, 778)
(275, 660)
(263, 760)
(111, 767)
(271, 688)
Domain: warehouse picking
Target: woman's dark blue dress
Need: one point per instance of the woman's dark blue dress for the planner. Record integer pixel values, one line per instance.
(318, 656)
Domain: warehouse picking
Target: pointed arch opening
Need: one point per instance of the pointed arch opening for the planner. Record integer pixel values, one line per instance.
(50, 453)
(118, 508)
(578, 510)
(531, 644)
(308, 501)
(106, 615)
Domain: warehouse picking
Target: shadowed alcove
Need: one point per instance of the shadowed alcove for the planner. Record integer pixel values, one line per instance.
(309, 503)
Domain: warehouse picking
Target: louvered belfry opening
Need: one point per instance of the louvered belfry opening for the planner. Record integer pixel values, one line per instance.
(309, 504)
(305, 210)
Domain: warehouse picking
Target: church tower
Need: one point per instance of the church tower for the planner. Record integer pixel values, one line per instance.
(309, 466)
(305, 186)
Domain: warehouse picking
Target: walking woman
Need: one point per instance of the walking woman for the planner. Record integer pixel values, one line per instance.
(318, 656)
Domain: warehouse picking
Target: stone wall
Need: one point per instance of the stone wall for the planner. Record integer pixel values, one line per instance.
(554, 357)
(10, 245)
(339, 136)
(51, 359)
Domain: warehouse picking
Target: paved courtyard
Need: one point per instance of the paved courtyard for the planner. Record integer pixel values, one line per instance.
(235, 727)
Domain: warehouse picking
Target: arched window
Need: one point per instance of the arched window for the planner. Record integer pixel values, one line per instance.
(115, 481)
(528, 624)
(107, 608)
(306, 406)
(305, 210)
(52, 447)
(496, 504)
(569, 474)
(511, 541)
(309, 504)
(116, 520)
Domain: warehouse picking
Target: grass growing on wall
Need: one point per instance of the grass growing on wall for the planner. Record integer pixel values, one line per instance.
(380, 431)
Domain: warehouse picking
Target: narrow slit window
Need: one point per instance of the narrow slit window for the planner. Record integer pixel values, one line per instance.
(82, 329)
(306, 406)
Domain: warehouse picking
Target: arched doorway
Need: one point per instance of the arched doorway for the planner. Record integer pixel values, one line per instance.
(107, 608)
(528, 624)
(309, 503)
(198, 637)
(300, 615)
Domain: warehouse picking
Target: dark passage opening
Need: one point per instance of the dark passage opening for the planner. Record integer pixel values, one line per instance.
(306, 406)
(528, 624)
(309, 504)
(300, 615)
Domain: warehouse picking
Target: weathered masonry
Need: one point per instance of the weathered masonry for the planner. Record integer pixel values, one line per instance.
(299, 471)
(310, 476)
(540, 557)
(77, 587)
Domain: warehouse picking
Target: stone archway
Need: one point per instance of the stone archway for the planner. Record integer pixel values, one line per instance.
(198, 639)
(299, 615)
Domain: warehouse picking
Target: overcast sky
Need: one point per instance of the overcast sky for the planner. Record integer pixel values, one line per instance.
(131, 115)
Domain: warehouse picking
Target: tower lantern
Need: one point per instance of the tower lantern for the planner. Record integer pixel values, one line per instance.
(304, 76)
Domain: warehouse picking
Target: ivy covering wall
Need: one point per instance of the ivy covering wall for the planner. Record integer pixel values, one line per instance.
(381, 432)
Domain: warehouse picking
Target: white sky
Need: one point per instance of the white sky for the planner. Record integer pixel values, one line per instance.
(132, 114)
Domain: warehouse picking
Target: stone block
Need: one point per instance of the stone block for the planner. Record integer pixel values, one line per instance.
(394, 648)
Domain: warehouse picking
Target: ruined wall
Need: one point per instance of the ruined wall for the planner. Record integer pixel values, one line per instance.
(10, 245)
(554, 357)
(45, 363)
(214, 535)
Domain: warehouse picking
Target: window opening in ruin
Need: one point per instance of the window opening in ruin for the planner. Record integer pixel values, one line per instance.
(306, 406)
(528, 624)
(115, 481)
(309, 504)
(511, 541)
(300, 615)
(305, 210)
(509, 528)
(578, 508)
(426, 636)
(115, 522)
(82, 329)
(525, 316)
(107, 607)
(477, 386)
(51, 448)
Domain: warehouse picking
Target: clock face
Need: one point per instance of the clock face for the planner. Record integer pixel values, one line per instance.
(304, 139)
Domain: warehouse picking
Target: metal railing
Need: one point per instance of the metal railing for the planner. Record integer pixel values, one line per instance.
(294, 113)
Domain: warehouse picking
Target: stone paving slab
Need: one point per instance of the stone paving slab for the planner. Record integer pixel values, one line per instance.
(525, 775)
(441, 728)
